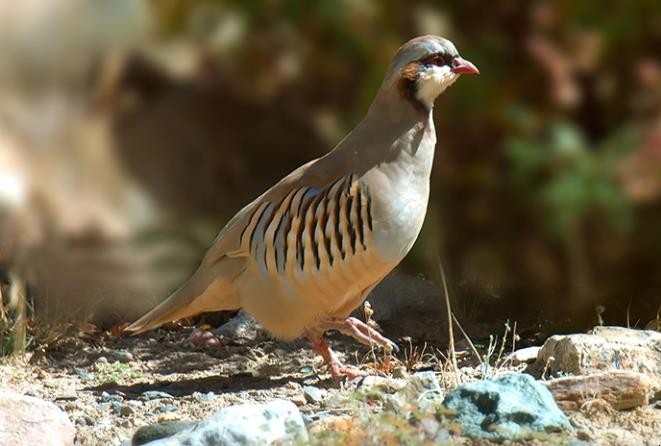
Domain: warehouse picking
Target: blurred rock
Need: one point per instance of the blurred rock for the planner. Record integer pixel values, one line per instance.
(524, 355)
(422, 391)
(313, 394)
(513, 406)
(26, 420)
(622, 389)
(157, 431)
(241, 326)
(375, 383)
(606, 348)
(276, 422)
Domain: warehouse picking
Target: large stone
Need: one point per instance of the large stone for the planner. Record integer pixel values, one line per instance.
(606, 348)
(276, 422)
(513, 406)
(622, 389)
(30, 421)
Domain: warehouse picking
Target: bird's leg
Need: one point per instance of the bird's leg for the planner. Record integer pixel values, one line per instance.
(360, 331)
(336, 367)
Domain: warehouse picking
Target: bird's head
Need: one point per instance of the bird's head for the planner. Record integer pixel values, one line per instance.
(424, 67)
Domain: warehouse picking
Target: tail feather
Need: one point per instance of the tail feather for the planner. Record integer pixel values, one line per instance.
(209, 289)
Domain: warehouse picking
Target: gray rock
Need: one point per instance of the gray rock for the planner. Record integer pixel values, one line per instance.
(422, 391)
(158, 431)
(278, 421)
(313, 394)
(523, 356)
(123, 356)
(26, 420)
(513, 406)
(203, 397)
(150, 395)
(163, 408)
(242, 326)
(605, 349)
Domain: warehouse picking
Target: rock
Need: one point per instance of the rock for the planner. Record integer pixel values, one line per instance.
(204, 397)
(123, 356)
(276, 422)
(107, 398)
(158, 431)
(513, 406)
(83, 374)
(523, 356)
(150, 395)
(26, 420)
(622, 389)
(606, 348)
(102, 360)
(313, 394)
(422, 391)
(242, 326)
(163, 408)
(126, 411)
(299, 400)
(375, 383)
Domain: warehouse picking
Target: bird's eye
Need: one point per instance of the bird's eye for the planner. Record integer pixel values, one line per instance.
(435, 59)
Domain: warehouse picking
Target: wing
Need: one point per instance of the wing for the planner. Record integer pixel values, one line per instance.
(229, 241)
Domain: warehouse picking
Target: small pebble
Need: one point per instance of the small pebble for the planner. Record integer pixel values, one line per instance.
(102, 360)
(306, 370)
(117, 406)
(88, 420)
(82, 374)
(159, 430)
(106, 397)
(313, 394)
(298, 399)
(150, 395)
(126, 411)
(166, 408)
(400, 372)
(70, 407)
(124, 356)
(204, 397)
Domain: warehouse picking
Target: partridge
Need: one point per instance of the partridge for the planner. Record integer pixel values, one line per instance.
(307, 252)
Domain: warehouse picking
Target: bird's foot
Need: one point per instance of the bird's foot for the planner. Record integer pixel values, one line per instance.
(337, 369)
(360, 331)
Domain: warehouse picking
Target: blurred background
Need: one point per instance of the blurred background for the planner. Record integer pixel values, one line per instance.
(132, 130)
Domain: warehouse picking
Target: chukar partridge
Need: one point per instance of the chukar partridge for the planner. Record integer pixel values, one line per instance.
(306, 253)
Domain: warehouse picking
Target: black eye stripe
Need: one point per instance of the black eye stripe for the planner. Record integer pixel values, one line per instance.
(437, 59)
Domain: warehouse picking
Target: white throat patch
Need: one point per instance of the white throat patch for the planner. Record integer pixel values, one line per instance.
(432, 82)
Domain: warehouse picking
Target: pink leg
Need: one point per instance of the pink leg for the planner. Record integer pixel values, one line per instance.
(360, 331)
(337, 369)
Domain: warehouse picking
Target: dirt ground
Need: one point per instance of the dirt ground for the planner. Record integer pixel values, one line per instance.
(109, 385)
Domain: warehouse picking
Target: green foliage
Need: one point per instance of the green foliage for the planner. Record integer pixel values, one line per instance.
(567, 179)
(115, 372)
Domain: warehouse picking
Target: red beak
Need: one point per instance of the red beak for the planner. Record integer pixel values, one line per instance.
(462, 66)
